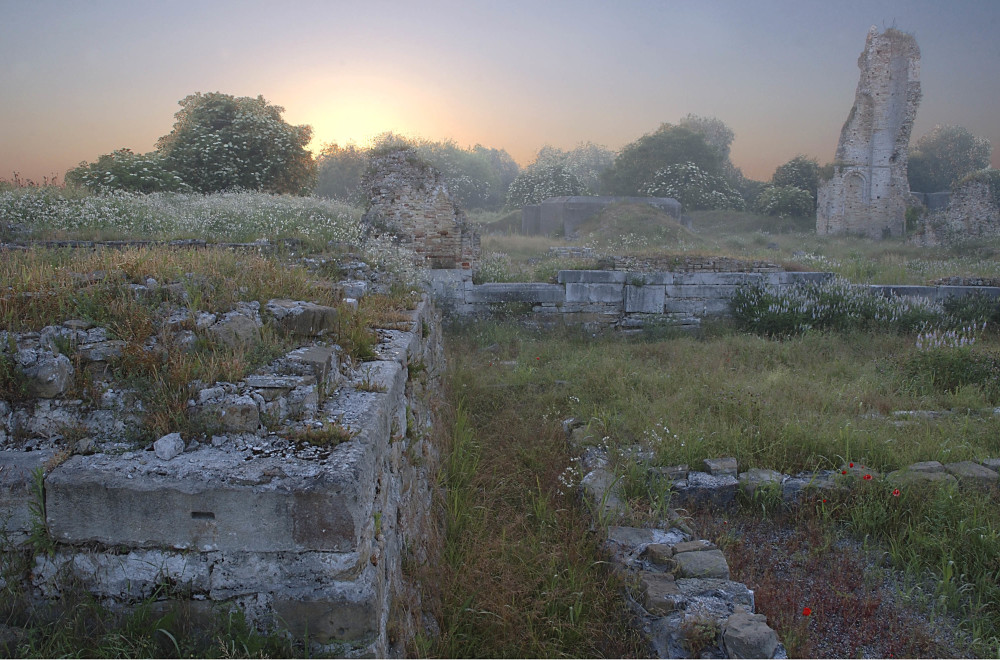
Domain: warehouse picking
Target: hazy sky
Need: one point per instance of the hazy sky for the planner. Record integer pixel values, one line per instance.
(81, 78)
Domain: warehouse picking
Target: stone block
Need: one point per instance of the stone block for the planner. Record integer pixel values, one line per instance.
(591, 277)
(322, 362)
(926, 466)
(693, 546)
(973, 474)
(736, 593)
(756, 477)
(660, 594)
(242, 573)
(701, 488)
(696, 307)
(50, 376)
(516, 292)
(302, 318)
(16, 482)
(747, 635)
(702, 564)
(211, 499)
(721, 466)
(659, 554)
(236, 329)
(908, 477)
(133, 576)
(595, 293)
(647, 299)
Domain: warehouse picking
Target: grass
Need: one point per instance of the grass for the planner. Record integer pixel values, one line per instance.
(810, 402)
(520, 575)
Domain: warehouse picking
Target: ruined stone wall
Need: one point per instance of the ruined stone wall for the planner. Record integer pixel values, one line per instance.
(304, 529)
(868, 192)
(410, 199)
(973, 211)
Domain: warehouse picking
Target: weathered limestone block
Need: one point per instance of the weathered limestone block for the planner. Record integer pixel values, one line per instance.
(646, 299)
(701, 488)
(301, 318)
(721, 466)
(594, 293)
(169, 446)
(133, 576)
(973, 474)
(754, 478)
(660, 593)
(241, 326)
(702, 564)
(747, 635)
(921, 473)
(49, 376)
(16, 496)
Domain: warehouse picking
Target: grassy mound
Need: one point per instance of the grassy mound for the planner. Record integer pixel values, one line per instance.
(635, 226)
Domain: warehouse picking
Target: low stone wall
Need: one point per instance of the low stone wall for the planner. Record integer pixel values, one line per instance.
(309, 536)
(609, 298)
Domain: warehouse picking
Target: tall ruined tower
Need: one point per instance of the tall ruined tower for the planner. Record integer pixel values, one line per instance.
(867, 194)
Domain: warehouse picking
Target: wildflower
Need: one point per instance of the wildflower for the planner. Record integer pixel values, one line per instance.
(850, 465)
(843, 471)
(806, 611)
(867, 477)
(895, 493)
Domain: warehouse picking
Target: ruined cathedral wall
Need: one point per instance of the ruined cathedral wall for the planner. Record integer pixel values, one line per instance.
(867, 194)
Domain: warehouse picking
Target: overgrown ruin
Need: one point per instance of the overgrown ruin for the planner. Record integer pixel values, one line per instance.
(868, 192)
(410, 199)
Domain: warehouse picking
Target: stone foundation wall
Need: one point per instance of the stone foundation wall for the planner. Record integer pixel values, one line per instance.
(309, 536)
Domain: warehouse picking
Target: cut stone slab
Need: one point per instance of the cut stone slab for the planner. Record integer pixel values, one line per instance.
(926, 466)
(701, 488)
(211, 499)
(703, 564)
(17, 470)
(601, 488)
(909, 477)
(991, 463)
(718, 467)
(236, 329)
(693, 546)
(757, 477)
(50, 376)
(736, 593)
(747, 635)
(302, 318)
(660, 593)
(970, 473)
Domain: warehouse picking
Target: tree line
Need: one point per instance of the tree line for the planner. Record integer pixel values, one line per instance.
(222, 142)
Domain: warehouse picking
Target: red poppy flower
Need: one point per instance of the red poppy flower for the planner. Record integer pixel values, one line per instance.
(850, 465)
(895, 493)
(806, 611)
(867, 477)
(843, 471)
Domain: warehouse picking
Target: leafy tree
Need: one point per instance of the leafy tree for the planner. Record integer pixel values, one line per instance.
(124, 170)
(694, 188)
(786, 202)
(537, 184)
(800, 172)
(339, 170)
(715, 131)
(638, 162)
(945, 155)
(587, 161)
(222, 142)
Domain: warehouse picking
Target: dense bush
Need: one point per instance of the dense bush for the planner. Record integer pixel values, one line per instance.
(801, 172)
(124, 170)
(944, 156)
(339, 170)
(638, 162)
(975, 307)
(694, 188)
(222, 142)
(786, 202)
(835, 305)
(587, 161)
(539, 183)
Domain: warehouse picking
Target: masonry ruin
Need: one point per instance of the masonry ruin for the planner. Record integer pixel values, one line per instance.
(409, 199)
(868, 192)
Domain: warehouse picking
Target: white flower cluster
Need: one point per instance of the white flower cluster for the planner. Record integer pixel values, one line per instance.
(954, 338)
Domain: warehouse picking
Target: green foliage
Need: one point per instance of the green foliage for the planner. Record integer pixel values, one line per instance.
(638, 162)
(945, 155)
(693, 187)
(587, 161)
(124, 170)
(800, 172)
(537, 184)
(835, 304)
(339, 170)
(786, 202)
(715, 131)
(946, 369)
(221, 142)
(975, 307)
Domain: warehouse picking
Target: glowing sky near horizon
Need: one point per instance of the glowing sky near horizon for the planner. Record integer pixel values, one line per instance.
(83, 78)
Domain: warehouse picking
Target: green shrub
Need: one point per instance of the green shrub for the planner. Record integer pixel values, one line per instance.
(975, 307)
(946, 369)
(693, 187)
(786, 202)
